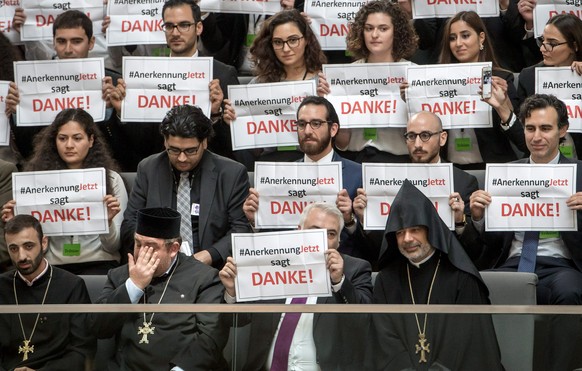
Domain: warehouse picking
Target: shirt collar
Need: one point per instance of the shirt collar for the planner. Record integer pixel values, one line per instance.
(555, 160)
(417, 265)
(325, 159)
(30, 283)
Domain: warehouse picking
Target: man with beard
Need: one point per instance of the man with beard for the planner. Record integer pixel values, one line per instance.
(423, 263)
(424, 138)
(317, 125)
(54, 341)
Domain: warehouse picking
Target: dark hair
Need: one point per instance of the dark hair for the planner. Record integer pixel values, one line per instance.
(321, 101)
(73, 19)
(476, 23)
(186, 122)
(46, 156)
(540, 101)
(7, 57)
(405, 38)
(176, 3)
(570, 26)
(268, 68)
(20, 223)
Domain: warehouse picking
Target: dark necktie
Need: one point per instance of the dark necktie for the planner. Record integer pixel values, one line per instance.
(285, 337)
(529, 251)
(183, 206)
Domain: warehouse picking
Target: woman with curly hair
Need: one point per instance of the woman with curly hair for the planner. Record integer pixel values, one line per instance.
(380, 33)
(465, 40)
(73, 141)
(286, 49)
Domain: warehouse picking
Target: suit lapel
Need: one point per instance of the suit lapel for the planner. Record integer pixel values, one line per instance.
(166, 177)
(208, 183)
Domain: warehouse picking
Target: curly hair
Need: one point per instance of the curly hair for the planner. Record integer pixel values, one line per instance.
(404, 36)
(476, 23)
(541, 101)
(267, 66)
(570, 26)
(46, 156)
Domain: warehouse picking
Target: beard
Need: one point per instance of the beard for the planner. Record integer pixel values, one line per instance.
(34, 264)
(316, 147)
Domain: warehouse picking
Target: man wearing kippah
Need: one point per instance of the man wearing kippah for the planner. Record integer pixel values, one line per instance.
(158, 273)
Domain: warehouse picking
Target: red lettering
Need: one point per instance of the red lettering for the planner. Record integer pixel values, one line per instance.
(450, 108)
(59, 104)
(144, 25)
(288, 207)
(528, 209)
(384, 208)
(369, 106)
(334, 30)
(164, 101)
(574, 111)
(271, 126)
(286, 277)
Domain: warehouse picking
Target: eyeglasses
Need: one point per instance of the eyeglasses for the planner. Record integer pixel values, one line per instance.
(424, 135)
(173, 151)
(182, 26)
(548, 46)
(291, 42)
(315, 124)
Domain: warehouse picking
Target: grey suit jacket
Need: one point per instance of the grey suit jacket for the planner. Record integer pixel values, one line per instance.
(223, 189)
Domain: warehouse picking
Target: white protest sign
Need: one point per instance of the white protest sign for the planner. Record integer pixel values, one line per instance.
(66, 202)
(285, 189)
(450, 91)
(156, 84)
(41, 14)
(329, 20)
(4, 125)
(7, 8)
(266, 113)
(48, 87)
(274, 265)
(241, 6)
(135, 22)
(448, 8)
(567, 86)
(383, 181)
(528, 197)
(367, 94)
(546, 9)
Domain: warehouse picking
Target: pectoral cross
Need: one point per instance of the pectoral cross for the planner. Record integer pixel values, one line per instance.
(145, 331)
(25, 349)
(423, 347)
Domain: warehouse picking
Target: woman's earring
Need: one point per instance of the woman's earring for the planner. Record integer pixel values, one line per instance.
(481, 47)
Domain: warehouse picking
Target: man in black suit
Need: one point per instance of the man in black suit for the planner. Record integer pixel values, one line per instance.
(324, 341)
(559, 257)
(424, 138)
(218, 186)
(182, 26)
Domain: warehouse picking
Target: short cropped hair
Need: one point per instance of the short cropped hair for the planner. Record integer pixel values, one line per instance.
(73, 19)
(20, 223)
(176, 3)
(326, 208)
(186, 122)
(321, 101)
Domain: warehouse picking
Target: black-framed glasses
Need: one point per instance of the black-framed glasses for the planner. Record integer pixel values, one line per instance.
(315, 124)
(549, 46)
(291, 42)
(182, 26)
(424, 135)
(173, 151)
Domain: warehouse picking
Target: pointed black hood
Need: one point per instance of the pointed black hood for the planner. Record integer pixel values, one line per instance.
(412, 208)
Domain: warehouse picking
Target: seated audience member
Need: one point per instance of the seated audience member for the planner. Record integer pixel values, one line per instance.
(559, 46)
(554, 257)
(72, 39)
(285, 49)
(380, 33)
(182, 25)
(320, 341)
(423, 263)
(466, 40)
(51, 341)
(207, 189)
(6, 170)
(425, 138)
(73, 141)
(317, 126)
(158, 273)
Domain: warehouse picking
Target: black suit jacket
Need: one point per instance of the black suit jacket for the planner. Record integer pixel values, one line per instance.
(223, 189)
(339, 339)
(493, 247)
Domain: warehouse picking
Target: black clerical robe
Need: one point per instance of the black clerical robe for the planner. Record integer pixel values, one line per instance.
(457, 342)
(193, 341)
(61, 340)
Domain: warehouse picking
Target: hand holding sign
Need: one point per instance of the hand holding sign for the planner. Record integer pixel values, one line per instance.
(335, 265)
(8, 210)
(478, 201)
(251, 205)
(360, 203)
(227, 275)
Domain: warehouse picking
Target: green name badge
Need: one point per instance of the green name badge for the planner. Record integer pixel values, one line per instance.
(549, 234)
(286, 148)
(72, 249)
(463, 144)
(567, 151)
(249, 39)
(370, 134)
